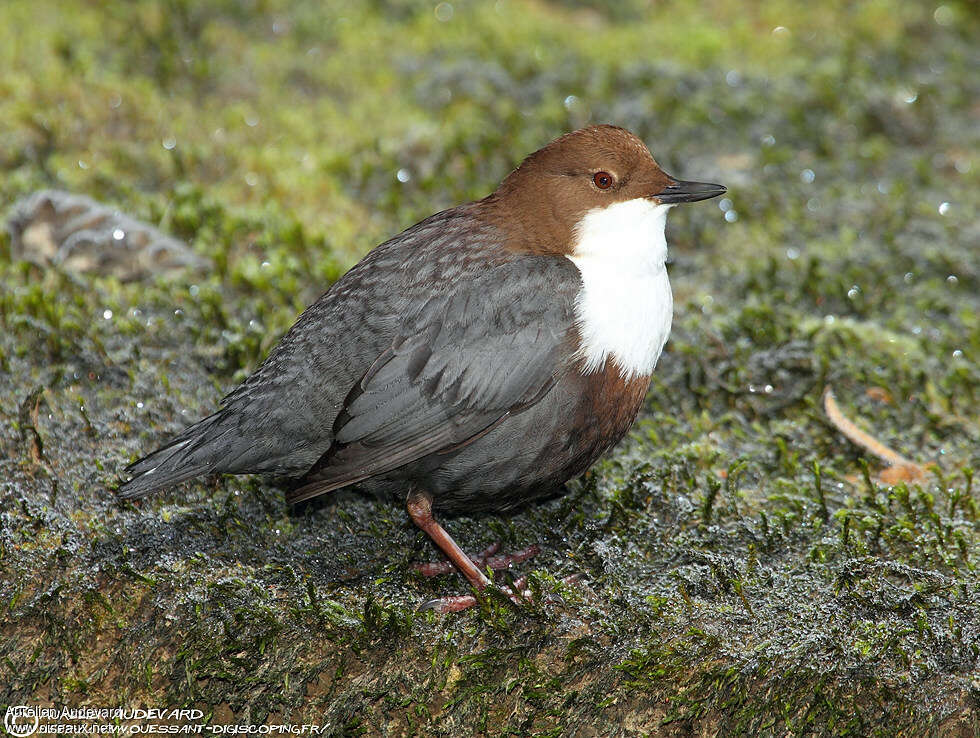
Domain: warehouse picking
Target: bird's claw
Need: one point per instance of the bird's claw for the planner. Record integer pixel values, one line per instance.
(519, 595)
(487, 559)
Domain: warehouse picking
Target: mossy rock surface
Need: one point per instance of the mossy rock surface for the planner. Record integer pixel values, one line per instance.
(744, 570)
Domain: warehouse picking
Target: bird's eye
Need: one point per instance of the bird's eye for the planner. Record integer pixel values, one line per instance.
(602, 180)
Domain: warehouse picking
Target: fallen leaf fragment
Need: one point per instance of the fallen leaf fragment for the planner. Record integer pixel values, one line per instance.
(879, 394)
(900, 469)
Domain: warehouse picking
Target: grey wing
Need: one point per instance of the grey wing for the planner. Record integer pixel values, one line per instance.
(280, 419)
(461, 365)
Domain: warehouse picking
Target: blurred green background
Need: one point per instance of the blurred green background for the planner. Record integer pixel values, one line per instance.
(747, 570)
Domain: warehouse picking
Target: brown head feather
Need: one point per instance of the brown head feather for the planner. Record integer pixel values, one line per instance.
(540, 203)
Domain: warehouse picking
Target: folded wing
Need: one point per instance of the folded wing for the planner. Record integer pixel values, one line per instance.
(462, 363)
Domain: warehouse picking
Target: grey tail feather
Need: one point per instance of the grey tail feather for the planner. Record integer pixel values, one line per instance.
(184, 457)
(308, 489)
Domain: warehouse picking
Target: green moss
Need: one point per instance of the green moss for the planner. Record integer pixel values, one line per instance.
(742, 570)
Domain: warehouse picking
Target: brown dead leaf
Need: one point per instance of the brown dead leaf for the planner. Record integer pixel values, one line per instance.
(879, 394)
(900, 469)
(901, 473)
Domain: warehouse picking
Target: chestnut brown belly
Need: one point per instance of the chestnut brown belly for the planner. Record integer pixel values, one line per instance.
(532, 453)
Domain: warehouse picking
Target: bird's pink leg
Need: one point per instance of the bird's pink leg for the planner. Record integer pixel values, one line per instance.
(420, 509)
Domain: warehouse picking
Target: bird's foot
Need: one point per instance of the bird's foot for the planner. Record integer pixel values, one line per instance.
(419, 506)
(486, 559)
(519, 595)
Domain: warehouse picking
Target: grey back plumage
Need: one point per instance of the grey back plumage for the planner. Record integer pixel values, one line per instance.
(461, 363)
(430, 338)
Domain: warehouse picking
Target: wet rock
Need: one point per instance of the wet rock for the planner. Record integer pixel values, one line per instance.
(54, 227)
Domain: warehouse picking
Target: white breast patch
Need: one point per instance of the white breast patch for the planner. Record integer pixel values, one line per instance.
(625, 306)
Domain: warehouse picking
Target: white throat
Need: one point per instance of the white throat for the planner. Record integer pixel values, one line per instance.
(625, 306)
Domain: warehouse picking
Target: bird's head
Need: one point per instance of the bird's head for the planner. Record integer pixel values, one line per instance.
(603, 173)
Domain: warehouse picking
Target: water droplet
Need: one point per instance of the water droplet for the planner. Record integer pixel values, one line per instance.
(957, 354)
(169, 143)
(884, 187)
(952, 279)
(807, 176)
(813, 204)
(908, 277)
(916, 330)
(118, 234)
(82, 164)
(570, 101)
(251, 120)
(768, 140)
(854, 292)
(780, 31)
(768, 389)
(251, 179)
(266, 264)
(403, 175)
(115, 101)
(829, 319)
(725, 204)
(139, 405)
(943, 208)
(732, 78)
(792, 253)
(444, 12)
(107, 314)
(194, 290)
(731, 216)
(944, 16)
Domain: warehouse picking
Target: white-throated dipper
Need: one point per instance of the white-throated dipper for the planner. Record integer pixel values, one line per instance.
(475, 361)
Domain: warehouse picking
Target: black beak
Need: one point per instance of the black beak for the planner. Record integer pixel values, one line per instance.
(689, 192)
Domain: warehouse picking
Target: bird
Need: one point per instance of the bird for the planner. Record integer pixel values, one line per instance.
(473, 363)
